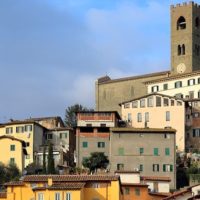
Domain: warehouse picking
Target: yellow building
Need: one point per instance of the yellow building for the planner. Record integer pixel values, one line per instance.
(15, 151)
(30, 132)
(68, 187)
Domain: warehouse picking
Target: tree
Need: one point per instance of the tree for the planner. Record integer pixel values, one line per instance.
(44, 168)
(2, 173)
(51, 167)
(97, 160)
(70, 114)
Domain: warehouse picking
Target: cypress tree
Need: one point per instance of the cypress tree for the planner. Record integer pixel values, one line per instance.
(44, 169)
(51, 168)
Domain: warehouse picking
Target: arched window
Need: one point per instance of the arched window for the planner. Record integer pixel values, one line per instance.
(183, 49)
(181, 23)
(197, 22)
(179, 50)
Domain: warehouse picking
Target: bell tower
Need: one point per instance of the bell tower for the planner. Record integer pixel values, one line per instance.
(185, 38)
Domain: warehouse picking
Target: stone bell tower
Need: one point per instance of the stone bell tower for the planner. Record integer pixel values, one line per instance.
(185, 38)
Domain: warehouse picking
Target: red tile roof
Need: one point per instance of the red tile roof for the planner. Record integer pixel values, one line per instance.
(62, 186)
(155, 178)
(70, 178)
(14, 183)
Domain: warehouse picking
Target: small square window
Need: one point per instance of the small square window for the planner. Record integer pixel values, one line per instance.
(85, 144)
(127, 191)
(137, 191)
(165, 86)
(121, 151)
(155, 151)
(12, 147)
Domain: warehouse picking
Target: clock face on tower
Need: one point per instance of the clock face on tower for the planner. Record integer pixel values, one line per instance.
(181, 68)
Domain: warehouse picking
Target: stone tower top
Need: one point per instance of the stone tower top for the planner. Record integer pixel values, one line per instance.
(185, 37)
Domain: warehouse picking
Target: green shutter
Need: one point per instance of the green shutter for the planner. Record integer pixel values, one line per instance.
(167, 151)
(155, 151)
(121, 151)
(164, 168)
(171, 168)
(141, 150)
(85, 144)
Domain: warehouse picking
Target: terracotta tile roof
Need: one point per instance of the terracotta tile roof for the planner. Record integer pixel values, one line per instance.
(174, 77)
(159, 194)
(134, 184)
(142, 130)
(63, 186)
(176, 194)
(3, 195)
(155, 178)
(13, 138)
(152, 94)
(70, 178)
(126, 172)
(106, 79)
(14, 183)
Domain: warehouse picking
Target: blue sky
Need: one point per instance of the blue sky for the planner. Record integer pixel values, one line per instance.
(52, 51)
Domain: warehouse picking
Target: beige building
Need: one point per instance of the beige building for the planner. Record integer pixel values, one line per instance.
(150, 151)
(48, 122)
(30, 132)
(157, 111)
(185, 59)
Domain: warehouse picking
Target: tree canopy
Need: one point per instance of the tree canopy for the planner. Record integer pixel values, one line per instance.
(97, 160)
(70, 114)
(50, 167)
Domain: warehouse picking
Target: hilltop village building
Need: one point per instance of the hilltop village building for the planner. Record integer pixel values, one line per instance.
(185, 61)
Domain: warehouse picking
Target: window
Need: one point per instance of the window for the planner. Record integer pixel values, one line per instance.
(191, 81)
(197, 22)
(127, 105)
(181, 23)
(196, 132)
(155, 167)
(135, 104)
(178, 84)
(179, 103)
(126, 191)
(167, 151)
(129, 117)
(150, 101)
(40, 196)
(12, 147)
(191, 94)
(155, 88)
(12, 161)
(142, 103)
(85, 144)
(68, 196)
(146, 117)
(28, 128)
(141, 151)
(57, 196)
(172, 102)
(49, 136)
(19, 129)
(121, 151)
(167, 135)
(199, 94)
(139, 117)
(179, 50)
(167, 115)
(137, 191)
(27, 144)
(9, 130)
(101, 144)
(63, 135)
(167, 168)
(165, 86)
(198, 80)
(155, 151)
(141, 168)
(158, 101)
(166, 102)
(120, 166)
(183, 49)
(179, 95)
